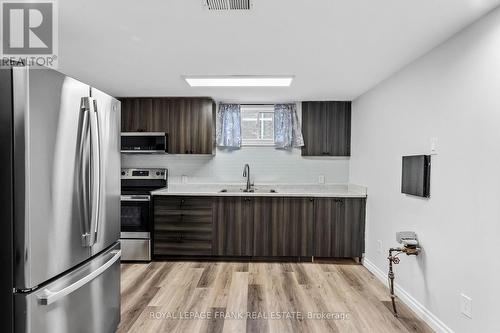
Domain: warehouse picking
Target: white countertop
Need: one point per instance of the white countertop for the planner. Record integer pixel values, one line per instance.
(282, 190)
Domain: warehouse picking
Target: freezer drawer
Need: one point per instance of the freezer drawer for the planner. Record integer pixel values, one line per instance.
(86, 300)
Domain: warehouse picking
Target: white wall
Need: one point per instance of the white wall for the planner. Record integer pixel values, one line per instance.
(453, 94)
(268, 165)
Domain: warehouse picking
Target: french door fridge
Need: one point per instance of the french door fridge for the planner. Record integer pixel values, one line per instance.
(60, 204)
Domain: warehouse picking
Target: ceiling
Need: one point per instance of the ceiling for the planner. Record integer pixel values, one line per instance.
(336, 49)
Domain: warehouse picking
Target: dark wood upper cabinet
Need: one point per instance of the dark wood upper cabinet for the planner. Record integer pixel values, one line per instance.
(189, 122)
(339, 227)
(326, 127)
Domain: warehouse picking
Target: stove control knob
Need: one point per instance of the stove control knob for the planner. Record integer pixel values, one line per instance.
(123, 173)
(157, 173)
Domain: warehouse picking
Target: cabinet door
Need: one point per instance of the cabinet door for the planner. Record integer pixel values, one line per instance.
(191, 128)
(233, 229)
(137, 115)
(326, 127)
(202, 119)
(314, 122)
(292, 234)
(339, 226)
(328, 216)
(265, 211)
(338, 135)
(353, 232)
(160, 115)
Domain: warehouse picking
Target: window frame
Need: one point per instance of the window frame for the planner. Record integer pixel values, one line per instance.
(265, 108)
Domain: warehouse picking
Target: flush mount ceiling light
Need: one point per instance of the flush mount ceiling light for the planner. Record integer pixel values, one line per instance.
(239, 81)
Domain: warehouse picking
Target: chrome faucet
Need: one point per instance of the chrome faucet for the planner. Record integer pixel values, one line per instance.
(246, 173)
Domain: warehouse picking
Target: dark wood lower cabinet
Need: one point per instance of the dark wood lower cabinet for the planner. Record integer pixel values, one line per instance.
(182, 226)
(233, 226)
(292, 232)
(259, 226)
(339, 227)
(267, 213)
(283, 227)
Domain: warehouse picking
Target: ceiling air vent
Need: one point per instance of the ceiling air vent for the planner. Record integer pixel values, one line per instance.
(228, 4)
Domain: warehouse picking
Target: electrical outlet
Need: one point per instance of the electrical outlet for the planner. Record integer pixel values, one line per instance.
(379, 246)
(466, 305)
(321, 179)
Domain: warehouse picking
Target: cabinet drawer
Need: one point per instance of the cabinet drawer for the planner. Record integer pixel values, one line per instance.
(183, 203)
(178, 240)
(176, 227)
(178, 216)
(183, 248)
(183, 236)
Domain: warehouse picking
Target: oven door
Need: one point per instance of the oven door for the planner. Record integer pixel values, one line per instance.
(135, 214)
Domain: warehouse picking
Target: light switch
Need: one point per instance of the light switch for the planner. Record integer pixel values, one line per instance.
(434, 142)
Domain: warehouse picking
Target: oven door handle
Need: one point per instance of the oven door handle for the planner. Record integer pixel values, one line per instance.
(135, 198)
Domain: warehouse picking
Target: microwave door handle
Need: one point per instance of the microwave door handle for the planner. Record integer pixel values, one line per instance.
(95, 157)
(82, 172)
(48, 296)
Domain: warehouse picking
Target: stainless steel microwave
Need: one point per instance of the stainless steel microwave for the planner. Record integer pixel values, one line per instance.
(144, 142)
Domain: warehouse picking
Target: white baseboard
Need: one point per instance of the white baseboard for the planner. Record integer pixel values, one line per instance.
(434, 322)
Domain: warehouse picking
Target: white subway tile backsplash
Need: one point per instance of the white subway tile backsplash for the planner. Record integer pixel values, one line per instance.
(267, 165)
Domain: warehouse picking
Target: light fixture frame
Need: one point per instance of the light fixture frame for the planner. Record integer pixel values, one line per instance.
(251, 81)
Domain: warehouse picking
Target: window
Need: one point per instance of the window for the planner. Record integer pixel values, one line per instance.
(257, 125)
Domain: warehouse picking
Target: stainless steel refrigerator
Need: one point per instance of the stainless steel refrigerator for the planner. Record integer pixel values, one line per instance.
(59, 204)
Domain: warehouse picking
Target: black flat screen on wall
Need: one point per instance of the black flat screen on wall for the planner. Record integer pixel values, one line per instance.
(416, 177)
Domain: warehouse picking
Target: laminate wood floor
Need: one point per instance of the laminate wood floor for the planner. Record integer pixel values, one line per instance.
(185, 296)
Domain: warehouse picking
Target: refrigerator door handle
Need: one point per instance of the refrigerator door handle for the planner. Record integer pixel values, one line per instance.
(91, 201)
(48, 297)
(82, 163)
(95, 138)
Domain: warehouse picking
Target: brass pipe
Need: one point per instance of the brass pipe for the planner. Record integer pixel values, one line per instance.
(393, 259)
